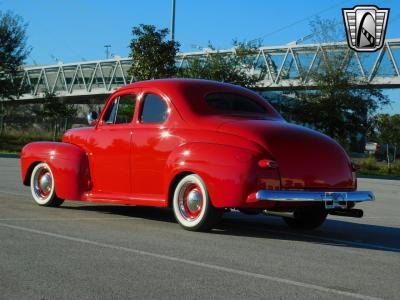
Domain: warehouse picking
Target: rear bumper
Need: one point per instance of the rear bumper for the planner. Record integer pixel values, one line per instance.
(331, 200)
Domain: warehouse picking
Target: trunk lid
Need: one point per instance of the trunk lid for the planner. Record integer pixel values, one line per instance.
(306, 159)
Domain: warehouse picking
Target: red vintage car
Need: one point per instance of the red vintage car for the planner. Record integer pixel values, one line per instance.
(200, 147)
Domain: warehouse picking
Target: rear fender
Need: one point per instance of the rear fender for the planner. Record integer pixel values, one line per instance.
(68, 162)
(227, 171)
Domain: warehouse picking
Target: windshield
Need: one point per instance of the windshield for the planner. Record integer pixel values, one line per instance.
(234, 103)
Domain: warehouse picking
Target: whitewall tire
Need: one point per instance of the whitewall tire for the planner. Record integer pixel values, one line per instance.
(43, 186)
(192, 205)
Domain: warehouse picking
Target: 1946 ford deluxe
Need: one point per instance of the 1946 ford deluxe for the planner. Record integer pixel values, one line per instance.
(200, 147)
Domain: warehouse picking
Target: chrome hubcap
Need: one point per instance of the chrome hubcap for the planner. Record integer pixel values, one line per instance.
(190, 201)
(193, 200)
(45, 183)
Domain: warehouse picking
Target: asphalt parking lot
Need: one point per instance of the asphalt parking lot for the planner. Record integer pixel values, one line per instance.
(97, 251)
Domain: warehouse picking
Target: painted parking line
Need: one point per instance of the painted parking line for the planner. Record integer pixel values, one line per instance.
(295, 234)
(274, 231)
(67, 219)
(192, 262)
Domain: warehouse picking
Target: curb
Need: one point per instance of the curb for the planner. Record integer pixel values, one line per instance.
(9, 155)
(370, 176)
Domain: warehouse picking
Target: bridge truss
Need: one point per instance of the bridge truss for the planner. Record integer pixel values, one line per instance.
(285, 67)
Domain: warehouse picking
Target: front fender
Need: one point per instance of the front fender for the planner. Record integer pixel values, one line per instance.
(228, 172)
(68, 162)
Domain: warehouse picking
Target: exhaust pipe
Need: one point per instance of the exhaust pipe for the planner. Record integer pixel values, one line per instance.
(285, 214)
(355, 213)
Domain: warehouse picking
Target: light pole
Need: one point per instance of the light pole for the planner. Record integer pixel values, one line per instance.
(107, 51)
(173, 21)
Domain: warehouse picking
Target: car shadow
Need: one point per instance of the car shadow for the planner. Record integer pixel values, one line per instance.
(335, 232)
(145, 212)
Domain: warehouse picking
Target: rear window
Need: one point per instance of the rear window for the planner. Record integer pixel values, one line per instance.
(235, 103)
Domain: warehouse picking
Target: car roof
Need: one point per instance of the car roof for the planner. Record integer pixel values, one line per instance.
(179, 82)
(188, 94)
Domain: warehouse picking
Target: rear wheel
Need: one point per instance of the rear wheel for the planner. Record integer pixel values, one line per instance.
(192, 206)
(307, 218)
(43, 186)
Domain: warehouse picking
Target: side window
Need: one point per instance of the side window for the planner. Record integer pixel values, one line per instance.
(154, 109)
(126, 109)
(109, 116)
(121, 110)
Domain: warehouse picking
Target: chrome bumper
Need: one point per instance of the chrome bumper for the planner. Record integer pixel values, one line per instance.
(331, 200)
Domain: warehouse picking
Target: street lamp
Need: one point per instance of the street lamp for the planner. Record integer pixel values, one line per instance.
(173, 21)
(107, 51)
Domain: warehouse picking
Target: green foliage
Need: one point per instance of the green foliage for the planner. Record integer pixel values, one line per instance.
(13, 141)
(395, 169)
(125, 112)
(236, 68)
(335, 107)
(126, 108)
(55, 109)
(326, 30)
(56, 112)
(153, 56)
(338, 105)
(369, 166)
(385, 129)
(13, 52)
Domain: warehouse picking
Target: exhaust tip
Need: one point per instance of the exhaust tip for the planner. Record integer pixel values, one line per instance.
(354, 213)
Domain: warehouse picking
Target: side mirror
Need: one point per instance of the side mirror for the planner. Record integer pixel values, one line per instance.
(92, 118)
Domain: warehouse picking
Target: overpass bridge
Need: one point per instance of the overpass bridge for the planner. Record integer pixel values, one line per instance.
(285, 67)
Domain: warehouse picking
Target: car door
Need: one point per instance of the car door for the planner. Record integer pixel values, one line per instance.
(156, 135)
(110, 153)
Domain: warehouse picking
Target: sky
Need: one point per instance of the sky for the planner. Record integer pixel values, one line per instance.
(76, 30)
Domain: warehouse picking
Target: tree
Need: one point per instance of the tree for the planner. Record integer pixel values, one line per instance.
(13, 52)
(339, 104)
(326, 30)
(385, 130)
(153, 56)
(57, 112)
(233, 67)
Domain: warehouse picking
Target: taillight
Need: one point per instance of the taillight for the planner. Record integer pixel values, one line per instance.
(267, 163)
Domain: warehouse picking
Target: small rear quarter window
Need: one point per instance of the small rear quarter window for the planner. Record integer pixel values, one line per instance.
(154, 109)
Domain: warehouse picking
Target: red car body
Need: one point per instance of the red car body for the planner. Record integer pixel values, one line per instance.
(235, 154)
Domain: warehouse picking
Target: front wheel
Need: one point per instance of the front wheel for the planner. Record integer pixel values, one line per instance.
(43, 186)
(192, 206)
(306, 218)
